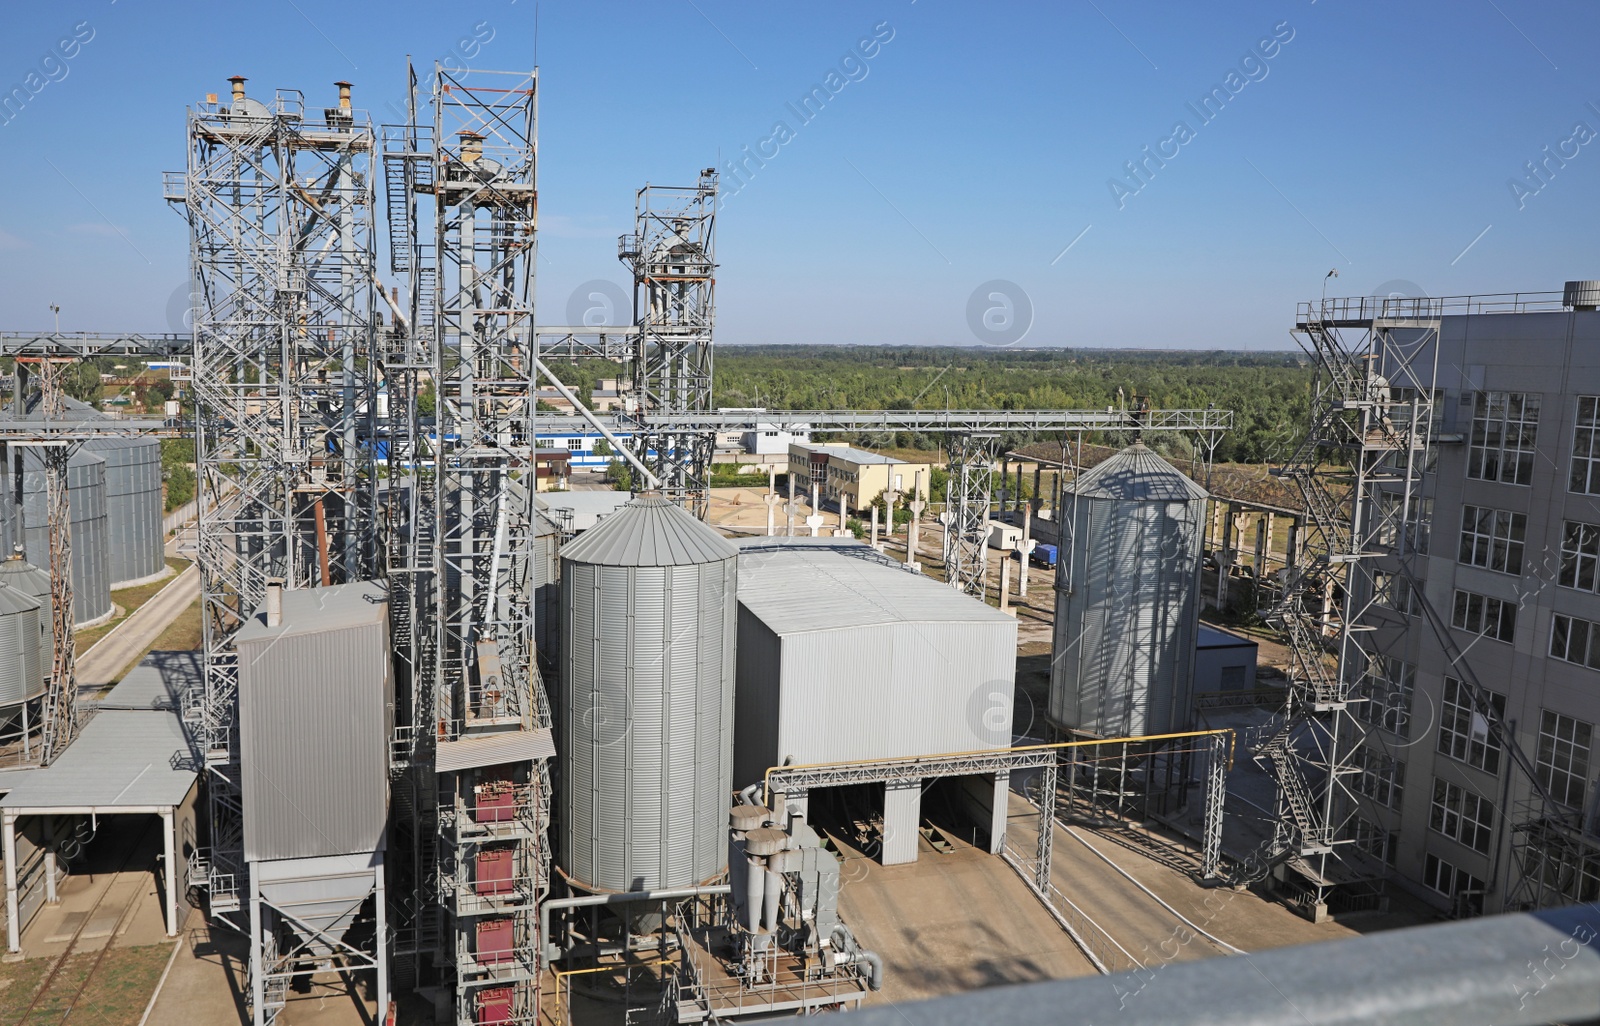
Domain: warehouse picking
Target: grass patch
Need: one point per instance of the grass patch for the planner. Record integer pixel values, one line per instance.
(182, 634)
(115, 996)
(130, 599)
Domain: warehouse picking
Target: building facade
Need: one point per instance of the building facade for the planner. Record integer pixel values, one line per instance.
(849, 479)
(1507, 535)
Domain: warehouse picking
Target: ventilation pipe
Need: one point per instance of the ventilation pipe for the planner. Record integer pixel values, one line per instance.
(238, 91)
(844, 942)
(344, 96)
(471, 148)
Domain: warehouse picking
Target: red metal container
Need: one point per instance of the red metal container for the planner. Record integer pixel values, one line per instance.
(493, 872)
(494, 1006)
(494, 941)
(494, 797)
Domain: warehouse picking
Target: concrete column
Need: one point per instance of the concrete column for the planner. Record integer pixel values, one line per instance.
(50, 895)
(169, 841)
(914, 529)
(902, 811)
(999, 812)
(1005, 484)
(1261, 547)
(1266, 549)
(1005, 582)
(1038, 471)
(8, 839)
(1027, 536)
(874, 535)
(772, 499)
(1291, 556)
(791, 509)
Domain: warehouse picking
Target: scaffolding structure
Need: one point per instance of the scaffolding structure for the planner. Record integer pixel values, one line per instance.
(462, 206)
(671, 253)
(279, 201)
(967, 507)
(1361, 472)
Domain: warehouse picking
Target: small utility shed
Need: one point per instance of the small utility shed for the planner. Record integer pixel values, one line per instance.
(1224, 661)
(844, 656)
(134, 757)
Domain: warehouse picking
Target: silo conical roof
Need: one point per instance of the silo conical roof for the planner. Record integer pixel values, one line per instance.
(1137, 474)
(15, 600)
(18, 573)
(649, 531)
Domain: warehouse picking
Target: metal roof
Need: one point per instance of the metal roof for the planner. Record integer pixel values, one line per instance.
(123, 759)
(649, 531)
(1210, 637)
(852, 454)
(1136, 474)
(808, 587)
(312, 610)
(159, 682)
(15, 600)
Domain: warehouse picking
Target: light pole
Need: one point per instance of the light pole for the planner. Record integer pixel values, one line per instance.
(55, 309)
(1332, 273)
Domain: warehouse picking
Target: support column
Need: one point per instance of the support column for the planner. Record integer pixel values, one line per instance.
(772, 499)
(1261, 548)
(1215, 796)
(50, 868)
(1047, 828)
(791, 509)
(914, 529)
(1005, 582)
(381, 941)
(998, 812)
(258, 969)
(169, 843)
(902, 812)
(874, 534)
(1027, 536)
(8, 838)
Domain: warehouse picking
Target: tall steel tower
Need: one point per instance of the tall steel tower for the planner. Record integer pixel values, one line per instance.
(671, 253)
(475, 730)
(279, 201)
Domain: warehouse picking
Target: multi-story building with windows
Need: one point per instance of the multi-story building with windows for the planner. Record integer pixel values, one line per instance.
(1507, 532)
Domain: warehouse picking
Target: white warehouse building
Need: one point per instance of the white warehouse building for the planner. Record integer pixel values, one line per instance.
(847, 657)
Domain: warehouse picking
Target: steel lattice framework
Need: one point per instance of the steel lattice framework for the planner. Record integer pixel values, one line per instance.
(967, 505)
(462, 202)
(671, 253)
(279, 203)
(1371, 437)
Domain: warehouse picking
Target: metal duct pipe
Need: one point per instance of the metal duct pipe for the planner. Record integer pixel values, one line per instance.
(844, 941)
(748, 795)
(344, 95)
(238, 89)
(874, 962)
(619, 898)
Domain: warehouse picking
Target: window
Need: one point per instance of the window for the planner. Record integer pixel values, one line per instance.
(1450, 881)
(1461, 815)
(1564, 757)
(1586, 447)
(1580, 555)
(1394, 590)
(1379, 777)
(1575, 641)
(1480, 614)
(1371, 838)
(1492, 538)
(1463, 732)
(575, 444)
(1505, 431)
(1388, 704)
(1419, 515)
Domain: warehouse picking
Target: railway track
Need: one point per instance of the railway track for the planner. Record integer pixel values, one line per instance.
(48, 983)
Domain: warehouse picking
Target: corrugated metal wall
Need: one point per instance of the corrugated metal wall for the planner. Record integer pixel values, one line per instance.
(135, 542)
(86, 495)
(1126, 618)
(647, 716)
(21, 673)
(881, 691)
(546, 590)
(315, 712)
(902, 814)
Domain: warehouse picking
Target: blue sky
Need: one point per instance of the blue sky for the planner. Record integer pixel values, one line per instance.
(975, 144)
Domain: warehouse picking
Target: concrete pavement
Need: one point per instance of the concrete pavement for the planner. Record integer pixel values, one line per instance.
(106, 660)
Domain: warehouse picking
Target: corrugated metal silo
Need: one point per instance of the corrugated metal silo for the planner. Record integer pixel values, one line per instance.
(649, 597)
(21, 672)
(86, 495)
(135, 541)
(1127, 598)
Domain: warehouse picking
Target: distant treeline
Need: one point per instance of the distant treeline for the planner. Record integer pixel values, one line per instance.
(1268, 392)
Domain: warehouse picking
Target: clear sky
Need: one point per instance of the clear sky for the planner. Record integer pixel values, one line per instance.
(968, 143)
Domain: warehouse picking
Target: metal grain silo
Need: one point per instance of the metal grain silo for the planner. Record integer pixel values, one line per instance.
(86, 496)
(1127, 598)
(136, 544)
(21, 669)
(22, 576)
(647, 699)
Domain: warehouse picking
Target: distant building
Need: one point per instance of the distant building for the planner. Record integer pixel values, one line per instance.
(850, 479)
(1224, 661)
